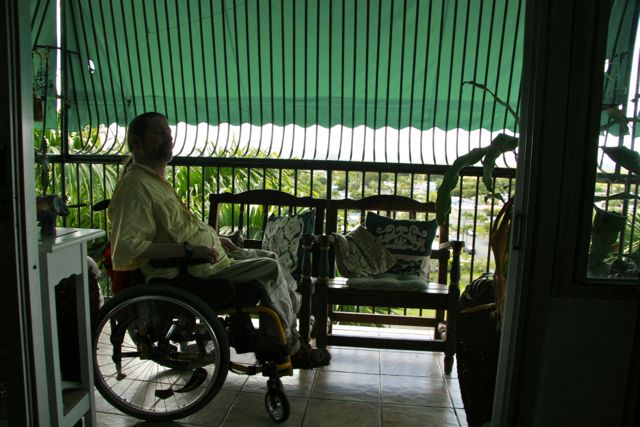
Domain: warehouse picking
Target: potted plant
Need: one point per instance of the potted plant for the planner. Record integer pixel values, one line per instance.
(607, 225)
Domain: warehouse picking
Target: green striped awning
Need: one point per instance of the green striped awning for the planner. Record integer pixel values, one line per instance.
(360, 64)
(380, 63)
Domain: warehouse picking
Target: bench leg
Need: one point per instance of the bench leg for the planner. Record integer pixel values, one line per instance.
(450, 335)
(452, 310)
(306, 290)
(448, 363)
(320, 327)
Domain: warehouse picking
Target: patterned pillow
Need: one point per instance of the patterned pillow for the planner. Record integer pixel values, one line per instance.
(282, 236)
(409, 241)
(359, 253)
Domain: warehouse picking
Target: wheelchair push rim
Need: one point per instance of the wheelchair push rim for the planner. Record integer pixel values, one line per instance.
(160, 354)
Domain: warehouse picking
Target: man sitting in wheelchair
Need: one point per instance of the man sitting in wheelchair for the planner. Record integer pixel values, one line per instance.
(150, 222)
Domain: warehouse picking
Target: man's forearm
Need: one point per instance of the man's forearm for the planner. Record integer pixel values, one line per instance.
(176, 250)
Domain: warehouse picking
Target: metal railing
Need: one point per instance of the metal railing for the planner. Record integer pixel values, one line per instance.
(86, 180)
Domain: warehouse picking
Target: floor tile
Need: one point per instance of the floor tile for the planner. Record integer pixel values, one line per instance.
(417, 391)
(214, 412)
(462, 417)
(103, 406)
(115, 420)
(423, 364)
(346, 386)
(249, 410)
(405, 416)
(351, 359)
(298, 385)
(235, 381)
(211, 415)
(341, 413)
(361, 387)
(454, 391)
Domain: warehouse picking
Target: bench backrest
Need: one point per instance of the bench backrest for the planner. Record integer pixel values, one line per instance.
(390, 206)
(286, 204)
(281, 204)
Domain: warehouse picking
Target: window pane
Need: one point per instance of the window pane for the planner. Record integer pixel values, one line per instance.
(615, 235)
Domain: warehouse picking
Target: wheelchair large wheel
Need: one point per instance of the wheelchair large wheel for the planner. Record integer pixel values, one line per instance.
(160, 353)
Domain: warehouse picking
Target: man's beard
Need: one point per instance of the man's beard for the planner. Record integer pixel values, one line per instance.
(164, 154)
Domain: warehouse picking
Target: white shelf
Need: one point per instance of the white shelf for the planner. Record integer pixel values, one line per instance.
(61, 256)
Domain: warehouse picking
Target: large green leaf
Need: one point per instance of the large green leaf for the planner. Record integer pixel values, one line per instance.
(450, 180)
(625, 157)
(500, 144)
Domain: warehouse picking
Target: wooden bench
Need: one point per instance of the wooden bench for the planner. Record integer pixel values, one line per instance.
(281, 204)
(332, 291)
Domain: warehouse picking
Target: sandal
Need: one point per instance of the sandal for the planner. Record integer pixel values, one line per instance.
(309, 358)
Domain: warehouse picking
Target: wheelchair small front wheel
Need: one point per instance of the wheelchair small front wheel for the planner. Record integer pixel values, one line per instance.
(277, 404)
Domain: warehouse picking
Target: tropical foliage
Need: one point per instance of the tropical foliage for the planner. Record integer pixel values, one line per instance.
(501, 144)
(83, 184)
(610, 231)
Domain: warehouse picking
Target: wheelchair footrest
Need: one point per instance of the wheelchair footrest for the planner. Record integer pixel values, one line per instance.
(238, 368)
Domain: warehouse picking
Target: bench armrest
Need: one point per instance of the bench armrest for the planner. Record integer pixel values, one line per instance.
(451, 244)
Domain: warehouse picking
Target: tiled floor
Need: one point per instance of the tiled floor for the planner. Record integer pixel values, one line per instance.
(361, 387)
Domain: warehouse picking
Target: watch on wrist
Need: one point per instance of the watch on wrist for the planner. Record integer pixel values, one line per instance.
(188, 250)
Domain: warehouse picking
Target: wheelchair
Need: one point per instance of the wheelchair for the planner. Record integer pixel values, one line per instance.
(162, 351)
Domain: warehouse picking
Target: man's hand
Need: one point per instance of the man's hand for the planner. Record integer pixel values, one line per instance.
(205, 252)
(176, 250)
(227, 244)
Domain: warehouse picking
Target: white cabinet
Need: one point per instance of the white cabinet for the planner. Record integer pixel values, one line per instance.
(62, 403)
